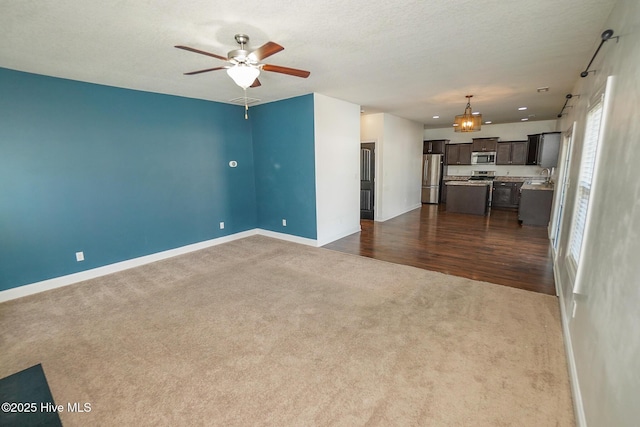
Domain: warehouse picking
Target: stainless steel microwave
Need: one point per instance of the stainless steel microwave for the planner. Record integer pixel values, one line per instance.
(483, 158)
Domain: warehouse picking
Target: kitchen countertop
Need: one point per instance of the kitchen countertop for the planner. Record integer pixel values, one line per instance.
(469, 183)
(455, 178)
(513, 178)
(548, 186)
(505, 178)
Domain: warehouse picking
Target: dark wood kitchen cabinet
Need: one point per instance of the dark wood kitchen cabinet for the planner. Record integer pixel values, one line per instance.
(506, 195)
(535, 207)
(458, 154)
(543, 149)
(434, 146)
(484, 144)
(511, 153)
(469, 199)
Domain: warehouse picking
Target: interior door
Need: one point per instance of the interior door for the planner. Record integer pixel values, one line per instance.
(367, 179)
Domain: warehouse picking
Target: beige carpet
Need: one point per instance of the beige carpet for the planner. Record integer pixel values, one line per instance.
(263, 332)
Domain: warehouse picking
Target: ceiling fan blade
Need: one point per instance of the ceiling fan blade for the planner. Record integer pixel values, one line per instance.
(204, 71)
(202, 52)
(256, 83)
(286, 70)
(266, 50)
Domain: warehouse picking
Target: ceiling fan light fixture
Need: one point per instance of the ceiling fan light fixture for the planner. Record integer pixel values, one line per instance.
(468, 122)
(243, 75)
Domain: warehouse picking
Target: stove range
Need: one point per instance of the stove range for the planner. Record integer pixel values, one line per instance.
(488, 177)
(482, 176)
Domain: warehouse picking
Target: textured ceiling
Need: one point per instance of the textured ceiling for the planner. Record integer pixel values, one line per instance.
(414, 59)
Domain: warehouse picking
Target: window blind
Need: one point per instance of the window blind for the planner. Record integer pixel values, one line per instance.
(587, 166)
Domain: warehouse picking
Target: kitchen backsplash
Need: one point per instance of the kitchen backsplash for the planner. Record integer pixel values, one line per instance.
(501, 170)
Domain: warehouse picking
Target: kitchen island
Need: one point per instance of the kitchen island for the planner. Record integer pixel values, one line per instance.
(470, 197)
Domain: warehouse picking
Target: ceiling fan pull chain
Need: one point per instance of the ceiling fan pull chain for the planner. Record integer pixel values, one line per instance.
(246, 107)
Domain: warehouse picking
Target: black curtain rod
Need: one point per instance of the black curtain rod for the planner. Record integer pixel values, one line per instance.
(569, 96)
(604, 36)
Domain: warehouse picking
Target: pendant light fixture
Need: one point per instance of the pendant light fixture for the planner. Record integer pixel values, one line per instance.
(467, 122)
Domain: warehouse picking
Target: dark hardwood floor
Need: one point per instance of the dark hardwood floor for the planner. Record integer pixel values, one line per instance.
(493, 248)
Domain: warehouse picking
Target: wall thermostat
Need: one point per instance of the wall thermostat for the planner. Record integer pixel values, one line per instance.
(233, 163)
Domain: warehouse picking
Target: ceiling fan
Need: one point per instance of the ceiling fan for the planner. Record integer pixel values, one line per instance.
(246, 66)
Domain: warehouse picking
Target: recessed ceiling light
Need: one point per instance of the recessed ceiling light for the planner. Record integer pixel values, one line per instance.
(525, 119)
(543, 89)
(488, 122)
(436, 117)
(522, 108)
(475, 113)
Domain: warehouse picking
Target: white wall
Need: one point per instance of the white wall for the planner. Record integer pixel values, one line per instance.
(398, 163)
(604, 336)
(506, 132)
(337, 152)
(501, 170)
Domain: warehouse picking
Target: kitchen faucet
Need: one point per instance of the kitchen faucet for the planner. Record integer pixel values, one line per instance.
(548, 174)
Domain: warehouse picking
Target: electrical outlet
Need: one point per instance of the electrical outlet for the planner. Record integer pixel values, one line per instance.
(284, 222)
(221, 225)
(79, 256)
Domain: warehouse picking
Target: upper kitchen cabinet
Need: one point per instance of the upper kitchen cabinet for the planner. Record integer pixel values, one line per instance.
(434, 146)
(511, 153)
(543, 149)
(458, 154)
(484, 144)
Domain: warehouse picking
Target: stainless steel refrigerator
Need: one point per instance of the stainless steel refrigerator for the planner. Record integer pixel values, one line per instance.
(431, 177)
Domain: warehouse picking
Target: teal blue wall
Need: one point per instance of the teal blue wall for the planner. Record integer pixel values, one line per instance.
(115, 173)
(284, 154)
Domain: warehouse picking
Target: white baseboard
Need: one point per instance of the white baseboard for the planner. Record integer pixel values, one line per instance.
(383, 219)
(338, 236)
(578, 407)
(58, 282)
(287, 237)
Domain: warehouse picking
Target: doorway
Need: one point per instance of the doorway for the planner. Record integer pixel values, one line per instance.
(367, 180)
